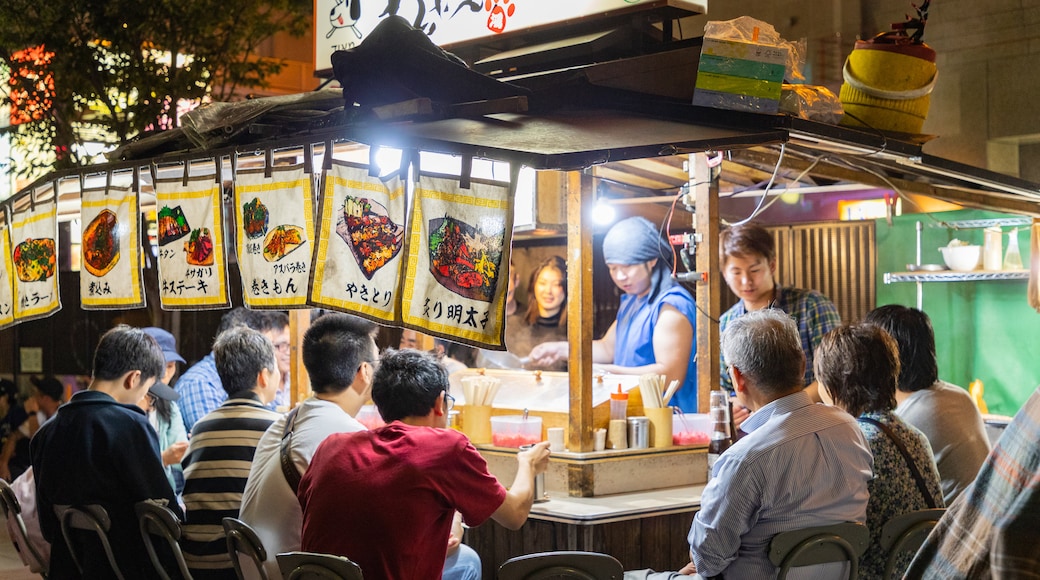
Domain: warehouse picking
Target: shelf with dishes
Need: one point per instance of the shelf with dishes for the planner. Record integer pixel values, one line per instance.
(955, 276)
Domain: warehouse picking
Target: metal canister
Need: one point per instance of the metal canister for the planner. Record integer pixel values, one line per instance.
(638, 432)
(539, 482)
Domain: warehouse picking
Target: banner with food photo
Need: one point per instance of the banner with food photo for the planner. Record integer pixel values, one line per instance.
(192, 262)
(357, 262)
(110, 274)
(274, 228)
(6, 275)
(34, 233)
(458, 257)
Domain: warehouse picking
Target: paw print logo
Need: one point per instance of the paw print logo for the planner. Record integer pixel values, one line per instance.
(500, 10)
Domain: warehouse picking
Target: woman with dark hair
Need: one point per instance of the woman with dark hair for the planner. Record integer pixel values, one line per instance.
(545, 319)
(654, 328)
(548, 287)
(942, 411)
(857, 368)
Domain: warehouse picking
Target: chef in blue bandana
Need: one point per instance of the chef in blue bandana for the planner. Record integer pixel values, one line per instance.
(654, 328)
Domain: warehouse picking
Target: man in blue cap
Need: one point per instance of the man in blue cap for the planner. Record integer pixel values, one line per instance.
(654, 328)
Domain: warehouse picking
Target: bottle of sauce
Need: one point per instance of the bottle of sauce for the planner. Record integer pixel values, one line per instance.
(617, 428)
(721, 436)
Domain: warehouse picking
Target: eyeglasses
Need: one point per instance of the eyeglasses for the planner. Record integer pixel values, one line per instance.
(374, 363)
(282, 347)
(449, 401)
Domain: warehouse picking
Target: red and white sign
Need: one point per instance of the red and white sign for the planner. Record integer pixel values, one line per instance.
(343, 24)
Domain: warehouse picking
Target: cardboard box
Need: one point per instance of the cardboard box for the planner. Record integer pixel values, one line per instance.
(740, 75)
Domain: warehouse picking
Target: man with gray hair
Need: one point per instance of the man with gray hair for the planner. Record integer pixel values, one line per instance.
(800, 465)
(222, 445)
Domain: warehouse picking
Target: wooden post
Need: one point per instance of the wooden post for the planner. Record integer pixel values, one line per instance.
(704, 191)
(578, 189)
(299, 381)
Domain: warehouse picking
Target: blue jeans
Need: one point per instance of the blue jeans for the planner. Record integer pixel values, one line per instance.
(464, 564)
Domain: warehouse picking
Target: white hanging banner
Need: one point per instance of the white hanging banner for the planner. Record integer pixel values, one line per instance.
(274, 227)
(357, 265)
(192, 260)
(458, 253)
(110, 274)
(34, 257)
(6, 275)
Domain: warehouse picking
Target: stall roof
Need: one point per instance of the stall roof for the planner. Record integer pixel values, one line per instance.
(616, 126)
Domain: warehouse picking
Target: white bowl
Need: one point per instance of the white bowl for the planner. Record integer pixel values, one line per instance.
(962, 258)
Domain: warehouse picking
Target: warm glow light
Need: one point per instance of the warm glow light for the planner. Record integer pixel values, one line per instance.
(603, 214)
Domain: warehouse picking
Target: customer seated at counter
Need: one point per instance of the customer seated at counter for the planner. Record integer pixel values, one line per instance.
(387, 498)
(800, 465)
(944, 412)
(857, 367)
(654, 329)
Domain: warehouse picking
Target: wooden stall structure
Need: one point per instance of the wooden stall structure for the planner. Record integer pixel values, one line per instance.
(553, 133)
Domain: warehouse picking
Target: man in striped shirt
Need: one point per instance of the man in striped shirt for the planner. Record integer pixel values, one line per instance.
(222, 444)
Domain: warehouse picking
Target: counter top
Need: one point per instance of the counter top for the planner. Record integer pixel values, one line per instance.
(617, 507)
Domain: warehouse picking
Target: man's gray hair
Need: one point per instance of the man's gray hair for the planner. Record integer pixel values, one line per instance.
(765, 346)
(240, 353)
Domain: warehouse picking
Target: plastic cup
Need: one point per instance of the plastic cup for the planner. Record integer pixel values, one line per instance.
(476, 423)
(660, 426)
(555, 437)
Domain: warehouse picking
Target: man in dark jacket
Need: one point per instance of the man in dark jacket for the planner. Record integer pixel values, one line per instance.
(100, 449)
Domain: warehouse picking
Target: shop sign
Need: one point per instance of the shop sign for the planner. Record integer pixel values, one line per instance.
(343, 24)
(111, 276)
(357, 265)
(275, 228)
(192, 259)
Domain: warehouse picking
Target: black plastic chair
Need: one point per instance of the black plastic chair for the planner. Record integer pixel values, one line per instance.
(311, 566)
(13, 511)
(242, 539)
(561, 564)
(92, 518)
(819, 545)
(906, 533)
(155, 519)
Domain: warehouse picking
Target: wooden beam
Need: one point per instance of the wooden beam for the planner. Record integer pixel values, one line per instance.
(975, 198)
(706, 202)
(579, 194)
(299, 381)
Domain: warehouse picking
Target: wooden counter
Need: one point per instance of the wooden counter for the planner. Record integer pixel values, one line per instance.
(646, 529)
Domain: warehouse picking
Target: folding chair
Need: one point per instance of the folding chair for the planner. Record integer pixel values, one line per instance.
(906, 533)
(561, 564)
(820, 545)
(13, 511)
(92, 518)
(242, 539)
(158, 520)
(311, 566)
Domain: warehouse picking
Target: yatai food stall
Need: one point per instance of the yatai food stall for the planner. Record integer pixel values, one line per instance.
(315, 223)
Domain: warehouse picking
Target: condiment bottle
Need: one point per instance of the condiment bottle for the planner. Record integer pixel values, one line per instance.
(721, 438)
(618, 405)
(1013, 259)
(617, 434)
(992, 250)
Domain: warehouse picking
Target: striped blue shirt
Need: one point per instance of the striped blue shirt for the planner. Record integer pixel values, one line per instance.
(800, 465)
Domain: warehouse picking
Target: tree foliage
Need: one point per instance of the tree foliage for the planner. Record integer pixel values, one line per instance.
(107, 71)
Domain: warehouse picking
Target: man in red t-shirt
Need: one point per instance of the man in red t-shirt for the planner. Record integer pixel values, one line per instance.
(386, 498)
